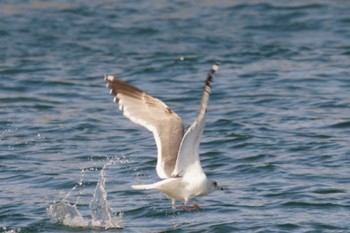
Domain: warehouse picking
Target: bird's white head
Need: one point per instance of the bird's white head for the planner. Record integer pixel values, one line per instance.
(213, 185)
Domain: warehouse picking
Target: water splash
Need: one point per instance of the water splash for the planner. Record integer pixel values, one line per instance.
(102, 215)
(65, 213)
(101, 211)
(5, 230)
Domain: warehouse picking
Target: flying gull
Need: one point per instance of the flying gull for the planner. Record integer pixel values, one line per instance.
(178, 162)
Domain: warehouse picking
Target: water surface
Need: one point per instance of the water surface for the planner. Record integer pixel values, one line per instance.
(278, 125)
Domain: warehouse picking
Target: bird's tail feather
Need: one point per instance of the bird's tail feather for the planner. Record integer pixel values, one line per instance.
(144, 186)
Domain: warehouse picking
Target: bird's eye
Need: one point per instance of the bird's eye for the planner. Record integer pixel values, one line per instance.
(215, 183)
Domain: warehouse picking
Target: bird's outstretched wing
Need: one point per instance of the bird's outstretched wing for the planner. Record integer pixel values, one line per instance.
(188, 157)
(143, 109)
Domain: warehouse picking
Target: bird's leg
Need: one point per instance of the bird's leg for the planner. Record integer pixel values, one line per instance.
(173, 204)
(185, 207)
(196, 205)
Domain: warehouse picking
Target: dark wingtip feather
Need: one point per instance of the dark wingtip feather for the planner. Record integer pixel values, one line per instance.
(215, 68)
(212, 71)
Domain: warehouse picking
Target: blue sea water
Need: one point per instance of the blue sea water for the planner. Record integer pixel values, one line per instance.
(278, 125)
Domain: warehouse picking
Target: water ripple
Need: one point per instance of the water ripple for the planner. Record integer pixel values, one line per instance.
(277, 134)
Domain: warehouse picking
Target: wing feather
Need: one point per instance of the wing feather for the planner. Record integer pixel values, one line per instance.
(188, 158)
(143, 109)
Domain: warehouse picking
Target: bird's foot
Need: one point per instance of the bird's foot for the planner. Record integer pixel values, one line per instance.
(185, 208)
(196, 205)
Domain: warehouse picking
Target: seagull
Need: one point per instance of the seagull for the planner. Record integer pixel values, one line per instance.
(178, 163)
